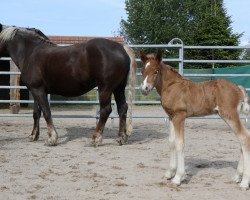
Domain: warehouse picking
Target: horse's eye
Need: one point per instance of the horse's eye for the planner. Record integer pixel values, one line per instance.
(156, 72)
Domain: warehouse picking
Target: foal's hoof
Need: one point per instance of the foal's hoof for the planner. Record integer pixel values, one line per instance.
(169, 174)
(122, 140)
(244, 185)
(176, 181)
(237, 178)
(96, 141)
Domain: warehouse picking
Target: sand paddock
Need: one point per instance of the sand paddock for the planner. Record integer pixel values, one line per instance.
(75, 170)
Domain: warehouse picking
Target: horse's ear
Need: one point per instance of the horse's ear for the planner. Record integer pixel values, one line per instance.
(159, 55)
(144, 58)
(1, 27)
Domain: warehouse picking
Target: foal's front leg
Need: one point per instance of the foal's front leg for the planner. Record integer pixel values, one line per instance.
(178, 123)
(170, 173)
(42, 100)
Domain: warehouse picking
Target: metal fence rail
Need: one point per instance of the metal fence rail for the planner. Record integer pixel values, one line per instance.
(173, 44)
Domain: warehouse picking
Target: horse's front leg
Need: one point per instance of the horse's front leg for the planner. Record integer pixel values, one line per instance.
(122, 108)
(170, 173)
(36, 116)
(105, 110)
(178, 122)
(42, 100)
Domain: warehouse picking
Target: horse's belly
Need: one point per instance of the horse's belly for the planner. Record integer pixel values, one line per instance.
(72, 90)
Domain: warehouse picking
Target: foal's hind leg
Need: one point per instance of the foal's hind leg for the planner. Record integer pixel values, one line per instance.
(36, 117)
(105, 110)
(41, 98)
(244, 138)
(239, 172)
(122, 108)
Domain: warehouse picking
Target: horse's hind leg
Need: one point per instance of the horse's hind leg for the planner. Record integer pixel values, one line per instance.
(244, 138)
(105, 110)
(122, 108)
(36, 117)
(42, 100)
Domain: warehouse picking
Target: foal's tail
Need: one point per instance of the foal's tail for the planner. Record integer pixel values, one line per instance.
(131, 86)
(245, 108)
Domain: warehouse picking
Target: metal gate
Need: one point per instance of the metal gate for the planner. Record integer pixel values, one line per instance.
(175, 43)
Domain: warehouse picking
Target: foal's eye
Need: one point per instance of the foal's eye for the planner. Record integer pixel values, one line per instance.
(156, 72)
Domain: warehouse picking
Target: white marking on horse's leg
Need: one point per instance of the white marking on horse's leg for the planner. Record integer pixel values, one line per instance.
(97, 140)
(52, 140)
(172, 164)
(239, 172)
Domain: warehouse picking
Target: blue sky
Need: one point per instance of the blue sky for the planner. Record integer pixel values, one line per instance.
(93, 17)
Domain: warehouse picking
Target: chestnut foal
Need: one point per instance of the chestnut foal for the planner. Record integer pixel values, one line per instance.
(182, 98)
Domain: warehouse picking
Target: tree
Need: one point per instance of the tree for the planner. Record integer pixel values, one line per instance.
(195, 22)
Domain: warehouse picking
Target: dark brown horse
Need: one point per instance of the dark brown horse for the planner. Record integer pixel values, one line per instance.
(71, 71)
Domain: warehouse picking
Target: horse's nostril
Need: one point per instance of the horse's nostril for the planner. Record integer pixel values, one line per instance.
(146, 88)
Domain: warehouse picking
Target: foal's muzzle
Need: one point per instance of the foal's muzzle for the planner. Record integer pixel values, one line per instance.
(145, 89)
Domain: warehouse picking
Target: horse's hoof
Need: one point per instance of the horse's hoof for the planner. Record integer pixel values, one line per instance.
(122, 140)
(96, 141)
(52, 141)
(33, 137)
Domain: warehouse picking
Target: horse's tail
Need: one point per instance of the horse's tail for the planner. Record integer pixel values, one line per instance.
(244, 108)
(131, 86)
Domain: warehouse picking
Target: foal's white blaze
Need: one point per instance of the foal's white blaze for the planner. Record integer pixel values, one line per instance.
(148, 63)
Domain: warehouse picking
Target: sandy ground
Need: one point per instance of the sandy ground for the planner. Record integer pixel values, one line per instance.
(75, 170)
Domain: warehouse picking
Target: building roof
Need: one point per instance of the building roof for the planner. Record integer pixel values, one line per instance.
(79, 39)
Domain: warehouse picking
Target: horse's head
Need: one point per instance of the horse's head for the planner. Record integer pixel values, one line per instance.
(7, 33)
(150, 71)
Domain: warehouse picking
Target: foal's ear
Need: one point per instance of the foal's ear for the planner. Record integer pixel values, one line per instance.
(159, 55)
(144, 58)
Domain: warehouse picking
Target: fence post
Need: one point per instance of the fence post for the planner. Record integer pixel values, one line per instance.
(15, 92)
(181, 52)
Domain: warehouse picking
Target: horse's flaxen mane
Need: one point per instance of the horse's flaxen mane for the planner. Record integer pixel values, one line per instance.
(9, 32)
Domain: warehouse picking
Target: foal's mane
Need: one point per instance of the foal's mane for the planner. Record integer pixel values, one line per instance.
(171, 69)
(9, 33)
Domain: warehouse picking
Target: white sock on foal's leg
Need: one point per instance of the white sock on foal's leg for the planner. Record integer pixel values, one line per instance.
(239, 172)
(170, 173)
(180, 173)
(244, 184)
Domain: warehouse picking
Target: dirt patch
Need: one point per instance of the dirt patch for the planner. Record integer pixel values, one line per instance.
(75, 170)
